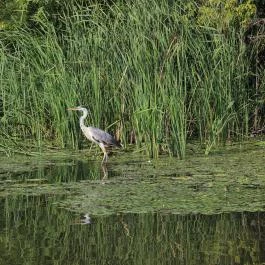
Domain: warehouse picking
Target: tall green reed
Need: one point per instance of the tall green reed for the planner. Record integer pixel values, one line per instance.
(157, 79)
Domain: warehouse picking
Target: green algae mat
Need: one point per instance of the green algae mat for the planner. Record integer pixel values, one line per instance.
(227, 181)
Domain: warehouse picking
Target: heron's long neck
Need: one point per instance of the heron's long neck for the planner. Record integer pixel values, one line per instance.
(82, 118)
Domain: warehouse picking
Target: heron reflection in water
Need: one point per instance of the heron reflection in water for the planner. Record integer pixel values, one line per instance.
(96, 135)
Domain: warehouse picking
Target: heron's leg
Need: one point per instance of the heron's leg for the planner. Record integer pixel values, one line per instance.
(105, 157)
(105, 171)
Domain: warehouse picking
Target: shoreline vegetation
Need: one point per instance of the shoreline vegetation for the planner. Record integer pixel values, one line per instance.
(157, 74)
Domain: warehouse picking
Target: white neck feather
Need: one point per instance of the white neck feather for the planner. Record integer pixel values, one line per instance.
(83, 117)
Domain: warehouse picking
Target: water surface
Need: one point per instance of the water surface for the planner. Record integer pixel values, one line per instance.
(34, 231)
(204, 210)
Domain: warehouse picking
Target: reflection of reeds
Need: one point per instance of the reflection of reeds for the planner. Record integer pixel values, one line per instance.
(40, 232)
(156, 78)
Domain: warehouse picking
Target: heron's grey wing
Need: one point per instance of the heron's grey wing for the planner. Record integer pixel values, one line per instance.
(103, 137)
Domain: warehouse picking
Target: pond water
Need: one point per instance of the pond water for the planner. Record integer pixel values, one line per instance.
(70, 210)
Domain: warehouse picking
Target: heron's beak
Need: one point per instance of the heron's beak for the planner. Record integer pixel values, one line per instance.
(72, 109)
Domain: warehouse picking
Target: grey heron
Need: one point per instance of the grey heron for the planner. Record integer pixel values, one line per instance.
(96, 135)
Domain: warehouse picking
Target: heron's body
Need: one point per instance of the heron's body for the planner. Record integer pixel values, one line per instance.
(96, 135)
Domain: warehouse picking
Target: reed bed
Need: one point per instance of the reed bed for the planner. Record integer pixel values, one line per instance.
(151, 76)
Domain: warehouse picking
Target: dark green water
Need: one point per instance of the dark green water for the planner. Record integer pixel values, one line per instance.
(204, 210)
(33, 231)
